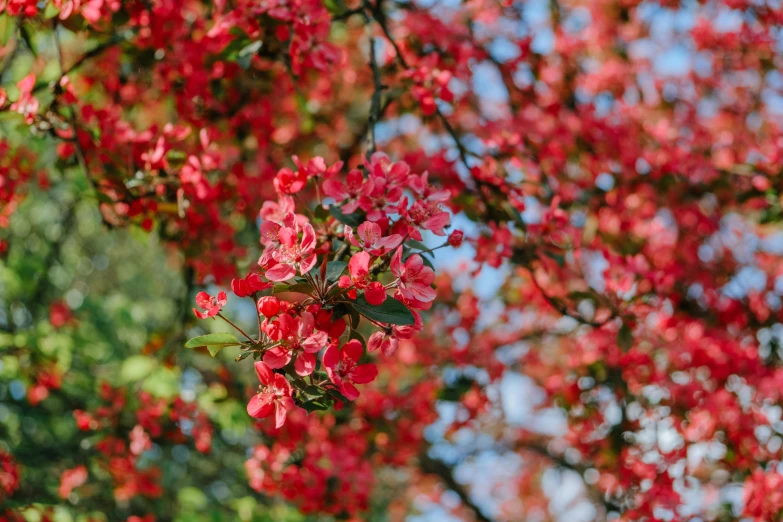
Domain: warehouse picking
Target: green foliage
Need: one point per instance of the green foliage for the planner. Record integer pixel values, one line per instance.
(213, 342)
(391, 311)
(130, 318)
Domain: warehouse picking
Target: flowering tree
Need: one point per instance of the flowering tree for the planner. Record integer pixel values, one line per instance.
(370, 260)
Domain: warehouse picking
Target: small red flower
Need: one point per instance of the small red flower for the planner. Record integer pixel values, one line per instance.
(211, 304)
(375, 293)
(359, 270)
(268, 306)
(349, 192)
(296, 335)
(371, 239)
(71, 479)
(281, 259)
(248, 285)
(274, 396)
(455, 238)
(342, 366)
(414, 276)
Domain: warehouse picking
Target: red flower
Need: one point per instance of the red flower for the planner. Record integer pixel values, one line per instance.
(342, 366)
(359, 268)
(375, 293)
(274, 395)
(295, 335)
(289, 182)
(281, 259)
(9, 475)
(268, 306)
(414, 276)
(71, 479)
(59, 314)
(248, 285)
(211, 304)
(26, 104)
(455, 238)
(371, 240)
(348, 194)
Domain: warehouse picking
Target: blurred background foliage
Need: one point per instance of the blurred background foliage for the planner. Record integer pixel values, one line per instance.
(92, 306)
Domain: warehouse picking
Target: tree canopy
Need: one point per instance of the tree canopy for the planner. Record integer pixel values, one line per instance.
(292, 260)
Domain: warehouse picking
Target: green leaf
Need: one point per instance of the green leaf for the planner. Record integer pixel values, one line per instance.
(417, 244)
(559, 259)
(355, 318)
(334, 269)
(314, 392)
(454, 391)
(353, 220)
(214, 342)
(51, 11)
(7, 28)
(318, 405)
(246, 53)
(356, 335)
(27, 36)
(337, 395)
(625, 337)
(577, 296)
(339, 310)
(136, 367)
(427, 262)
(299, 288)
(320, 213)
(391, 311)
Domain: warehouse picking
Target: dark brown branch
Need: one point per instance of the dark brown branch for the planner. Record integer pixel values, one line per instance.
(597, 497)
(96, 51)
(347, 14)
(562, 309)
(9, 58)
(80, 154)
(446, 474)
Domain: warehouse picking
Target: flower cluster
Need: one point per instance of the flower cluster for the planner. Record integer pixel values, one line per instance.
(385, 280)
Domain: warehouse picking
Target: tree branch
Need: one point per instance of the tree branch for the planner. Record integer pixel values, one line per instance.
(432, 466)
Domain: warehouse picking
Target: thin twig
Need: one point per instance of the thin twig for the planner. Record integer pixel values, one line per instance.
(238, 328)
(81, 156)
(375, 103)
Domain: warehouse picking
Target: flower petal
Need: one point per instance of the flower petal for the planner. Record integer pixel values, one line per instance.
(352, 350)
(260, 405)
(277, 357)
(280, 272)
(364, 373)
(305, 364)
(265, 374)
(280, 413)
(331, 356)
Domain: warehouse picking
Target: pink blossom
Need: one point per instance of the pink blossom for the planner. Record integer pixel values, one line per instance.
(342, 366)
(212, 305)
(295, 335)
(371, 239)
(283, 255)
(414, 277)
(274, 396)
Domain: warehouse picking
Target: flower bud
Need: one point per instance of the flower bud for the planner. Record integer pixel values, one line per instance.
(455, 238)
(268, 306)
